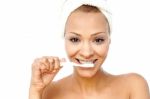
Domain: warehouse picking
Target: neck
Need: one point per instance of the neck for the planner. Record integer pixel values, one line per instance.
(91, 84)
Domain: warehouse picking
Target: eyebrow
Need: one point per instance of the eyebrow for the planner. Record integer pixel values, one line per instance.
(75, 33)
(97, 33)
(92, 34)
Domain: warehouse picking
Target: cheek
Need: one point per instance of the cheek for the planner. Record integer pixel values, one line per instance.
(101, 50)
(71, 49)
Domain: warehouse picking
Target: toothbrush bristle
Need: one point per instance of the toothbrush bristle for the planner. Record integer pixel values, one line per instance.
(84, 65)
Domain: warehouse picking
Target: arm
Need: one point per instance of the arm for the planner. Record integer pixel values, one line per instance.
(139, 87)
(33, 94)
(43, 71)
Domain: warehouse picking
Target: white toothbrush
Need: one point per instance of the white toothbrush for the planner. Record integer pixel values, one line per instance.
(75, 64)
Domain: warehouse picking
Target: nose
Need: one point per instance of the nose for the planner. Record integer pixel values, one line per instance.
(86, 50)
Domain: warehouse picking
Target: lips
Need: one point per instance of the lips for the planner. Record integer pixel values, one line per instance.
(86, 61)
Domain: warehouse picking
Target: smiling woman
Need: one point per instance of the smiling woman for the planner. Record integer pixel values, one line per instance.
(87, 39)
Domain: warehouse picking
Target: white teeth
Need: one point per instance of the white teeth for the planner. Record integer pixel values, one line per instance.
(86, 62)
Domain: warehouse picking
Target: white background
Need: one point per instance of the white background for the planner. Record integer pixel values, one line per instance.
(28, 29)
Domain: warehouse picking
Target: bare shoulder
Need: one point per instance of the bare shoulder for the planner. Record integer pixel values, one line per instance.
(135, 80)
(137, 84)
(132, 78)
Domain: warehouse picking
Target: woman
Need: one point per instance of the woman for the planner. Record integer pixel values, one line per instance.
(87, 39)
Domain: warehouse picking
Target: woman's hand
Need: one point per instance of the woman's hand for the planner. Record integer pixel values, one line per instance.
(43, 71)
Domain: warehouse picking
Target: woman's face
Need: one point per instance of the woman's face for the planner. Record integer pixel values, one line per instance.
(87, 40)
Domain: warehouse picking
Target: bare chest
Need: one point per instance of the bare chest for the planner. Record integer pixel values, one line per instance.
(109, 94)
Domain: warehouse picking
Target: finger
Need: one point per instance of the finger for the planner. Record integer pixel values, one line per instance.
(35, 64)
(51, 64)
(43, 68)
(57, 63)
(45, 61)
(36, 72)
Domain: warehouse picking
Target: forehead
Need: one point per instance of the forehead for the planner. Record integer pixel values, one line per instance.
(80, 21)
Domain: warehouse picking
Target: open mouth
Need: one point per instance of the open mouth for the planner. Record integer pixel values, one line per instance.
(86, 61)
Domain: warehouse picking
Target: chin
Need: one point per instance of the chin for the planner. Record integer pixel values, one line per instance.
(86, 72)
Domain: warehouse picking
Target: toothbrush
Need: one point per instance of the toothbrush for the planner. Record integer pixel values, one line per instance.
(88, 64)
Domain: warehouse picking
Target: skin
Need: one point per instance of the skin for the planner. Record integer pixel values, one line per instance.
(86, 39)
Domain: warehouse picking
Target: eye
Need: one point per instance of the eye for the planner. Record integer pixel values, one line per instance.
(99, 40)
(74, 40)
